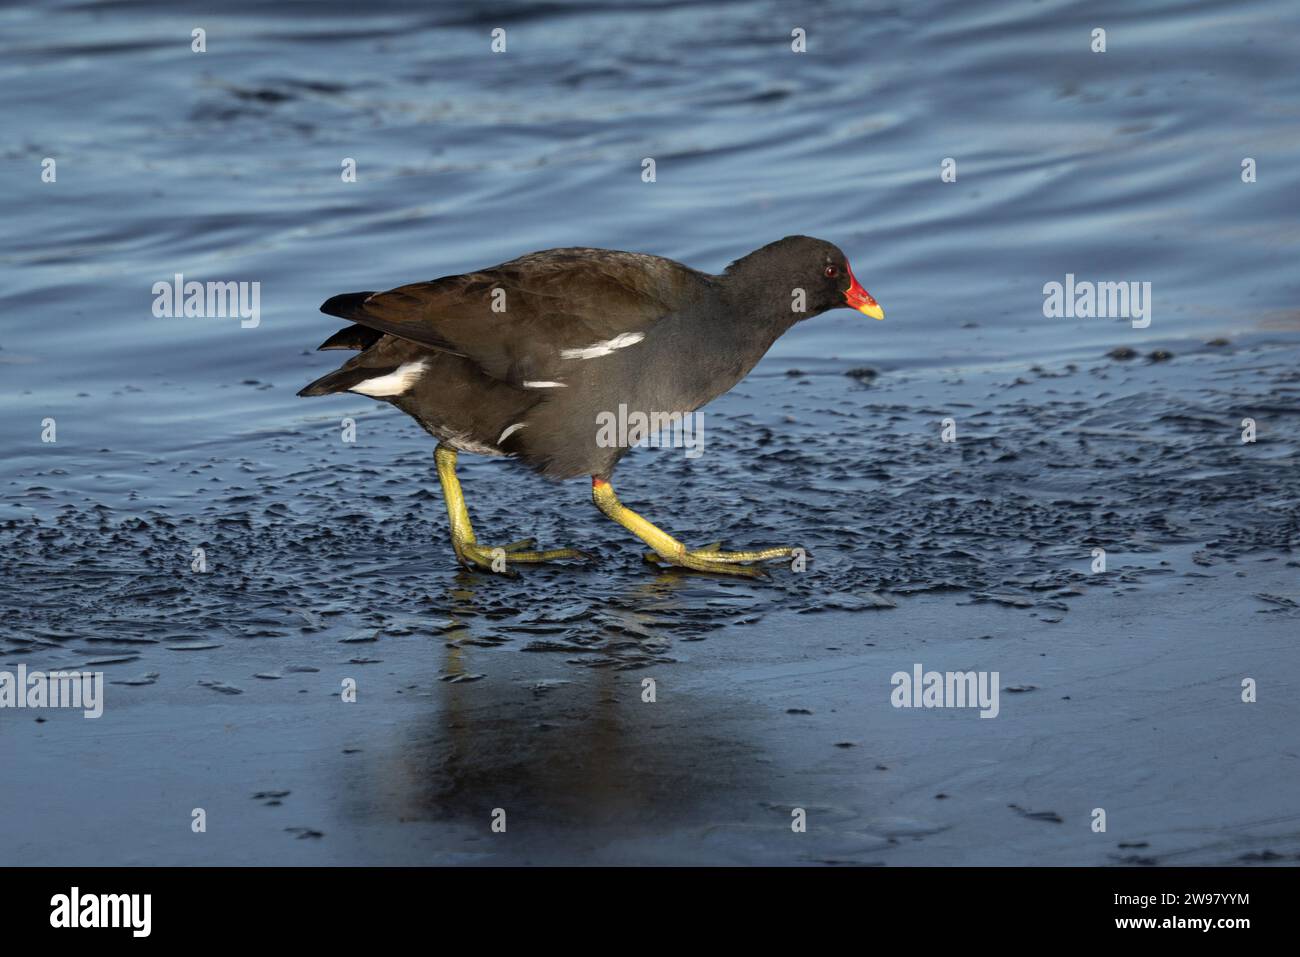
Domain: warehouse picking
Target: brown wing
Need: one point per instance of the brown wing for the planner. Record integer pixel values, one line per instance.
(516, 320)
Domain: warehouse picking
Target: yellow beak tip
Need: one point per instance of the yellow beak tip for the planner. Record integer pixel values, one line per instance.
(875, 312)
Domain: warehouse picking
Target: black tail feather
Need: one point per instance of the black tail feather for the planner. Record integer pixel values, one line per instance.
(352, 337)
(340, 380)
(345, 305)
(356, 337)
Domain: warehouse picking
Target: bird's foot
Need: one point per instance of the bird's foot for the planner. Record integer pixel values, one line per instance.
(499, 558)
(711, 558)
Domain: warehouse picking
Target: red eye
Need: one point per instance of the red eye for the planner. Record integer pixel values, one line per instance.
(831, 272)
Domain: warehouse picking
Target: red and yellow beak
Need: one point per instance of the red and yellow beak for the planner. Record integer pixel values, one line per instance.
(860, 299)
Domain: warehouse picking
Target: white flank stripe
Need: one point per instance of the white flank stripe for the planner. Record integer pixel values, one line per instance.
(511, 431)
(395, 383)
(597, 349)
(545, 385)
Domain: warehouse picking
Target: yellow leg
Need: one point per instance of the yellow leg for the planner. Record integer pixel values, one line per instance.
(668, 549)
(468, 550)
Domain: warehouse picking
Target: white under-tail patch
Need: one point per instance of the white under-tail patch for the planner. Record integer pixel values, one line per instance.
(544, 385)
(597, 349)
(511, 430)
(395, 383)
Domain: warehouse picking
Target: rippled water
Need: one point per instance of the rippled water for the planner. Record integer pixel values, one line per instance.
(225, 165)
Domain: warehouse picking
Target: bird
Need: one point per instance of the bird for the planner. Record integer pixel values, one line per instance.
(524, 358)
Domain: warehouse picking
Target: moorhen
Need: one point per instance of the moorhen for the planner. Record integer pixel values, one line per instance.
(522, 358)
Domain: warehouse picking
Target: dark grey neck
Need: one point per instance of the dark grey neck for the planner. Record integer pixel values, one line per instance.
(760, 300)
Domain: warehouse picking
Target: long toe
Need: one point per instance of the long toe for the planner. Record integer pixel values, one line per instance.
(553, 555)
(712, 553)
(522, 545)
(498, 559)
(699, 563)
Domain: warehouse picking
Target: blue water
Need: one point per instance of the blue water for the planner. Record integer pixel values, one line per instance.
(184, 432)
(225, 165)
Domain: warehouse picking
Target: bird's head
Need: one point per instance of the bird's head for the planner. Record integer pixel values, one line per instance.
(814, 274)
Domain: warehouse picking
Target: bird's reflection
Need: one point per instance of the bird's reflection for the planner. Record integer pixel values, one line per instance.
(557, 745)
